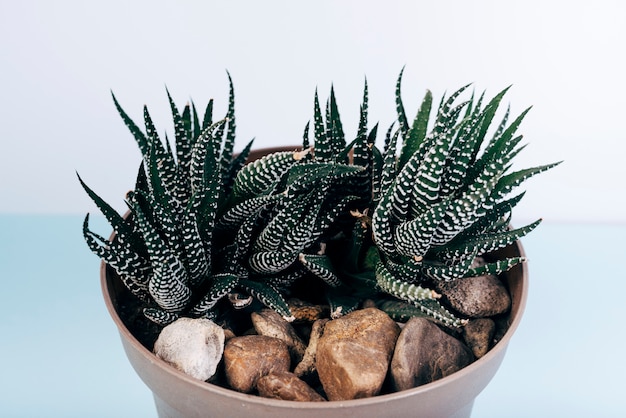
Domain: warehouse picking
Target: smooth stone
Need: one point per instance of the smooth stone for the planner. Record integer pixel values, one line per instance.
(193, 346)
(250, 357)
(478, 334)
(354, 352)
(307, 365)
(287, 386)
(269, 323)
(425, 353)
(476, 297)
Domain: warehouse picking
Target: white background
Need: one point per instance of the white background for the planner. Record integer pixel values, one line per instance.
(59, 60)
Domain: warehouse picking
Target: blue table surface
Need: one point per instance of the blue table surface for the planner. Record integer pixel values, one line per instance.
(62, 357)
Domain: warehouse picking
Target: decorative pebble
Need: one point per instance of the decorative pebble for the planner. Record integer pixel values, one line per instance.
(478, 334)
(193, 346)
(287, 386)
(476, 297)
(353, 354)
(307, 365)
(269, 323)
(250, 357)
(425, 353)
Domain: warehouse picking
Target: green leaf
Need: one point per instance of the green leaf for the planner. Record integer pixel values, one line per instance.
(271, 262)
(268, 296)
(142, 141)
(322, 267)
(496, 267)
(221, 284)
(416, 135)
(159, 316)
(399, 288)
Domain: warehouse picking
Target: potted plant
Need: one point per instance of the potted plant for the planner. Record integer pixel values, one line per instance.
(338, 228)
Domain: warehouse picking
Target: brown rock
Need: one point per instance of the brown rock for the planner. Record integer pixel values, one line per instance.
(271, 324)
(478, 334)
(287, 386)
(307, 365)
(425, 353)
(353, 354)
(304, 311)
(248, 358)
(476, 297)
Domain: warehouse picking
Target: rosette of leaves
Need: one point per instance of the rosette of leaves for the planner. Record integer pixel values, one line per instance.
(164, 251)
(444, 200)
(285, 216)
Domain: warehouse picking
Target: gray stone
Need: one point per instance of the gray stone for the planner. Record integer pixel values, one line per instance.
(353, 354)
(478, 334)
(287, 386)
(476, 297)
(250, 357)
(425, 353)
(193, 346)
(269, 323)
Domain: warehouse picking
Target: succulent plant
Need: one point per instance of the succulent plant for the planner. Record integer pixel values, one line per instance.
(208, 231)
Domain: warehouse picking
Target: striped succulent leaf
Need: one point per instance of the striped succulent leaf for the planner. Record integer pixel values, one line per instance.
(362, 154)
(197, 260)
(389, 164)
(159, 316)
(408, 270)
(168, 284)
(403, 311)
(244, 237)
(434, 309)
(271, 262)
(182, 137)
(286, 278)
(334, 127)
(468, 208)
(330, 216)
(496, 220)
(446, 273)
(256, 178)
(221, 285)
(414, 238)
(483, 243)
(205, 156)
(268, 296)
(382, 231)
(235, 216)
(321, 266)
(120, 225)
(280, 229)
(496, 267)
(509, 181)
(409, 292)
(229, 141)
(142, 141)
(236, 164)
(416, 135)
(402, 119)
(133, 270)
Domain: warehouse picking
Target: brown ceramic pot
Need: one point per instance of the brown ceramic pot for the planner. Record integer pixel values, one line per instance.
(178, 395)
